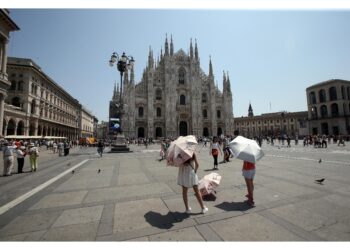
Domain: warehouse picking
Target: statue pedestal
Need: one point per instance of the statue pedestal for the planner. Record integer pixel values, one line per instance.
(119, 146)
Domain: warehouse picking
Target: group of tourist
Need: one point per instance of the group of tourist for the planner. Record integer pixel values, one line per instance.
(19, 149)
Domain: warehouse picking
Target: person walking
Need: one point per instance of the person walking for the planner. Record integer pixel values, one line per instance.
(214, 151)
(33, 157)
(54, 147)
(20, 153)
(60, 148)
(248, 172)
(187, 178)
(8, 158)
(100, 147)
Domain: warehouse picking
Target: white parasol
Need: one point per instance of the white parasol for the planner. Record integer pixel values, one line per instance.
(246, 149)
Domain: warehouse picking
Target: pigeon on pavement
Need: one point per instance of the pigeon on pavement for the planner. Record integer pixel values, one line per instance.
(320, 181)
(99, 170)
(320, 160)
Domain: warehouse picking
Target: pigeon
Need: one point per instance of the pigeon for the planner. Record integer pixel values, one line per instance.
(99, 170)
(319, 181)
(73, 172)
(320, 160)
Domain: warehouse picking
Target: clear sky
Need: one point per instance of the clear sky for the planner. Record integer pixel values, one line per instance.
(272, 56)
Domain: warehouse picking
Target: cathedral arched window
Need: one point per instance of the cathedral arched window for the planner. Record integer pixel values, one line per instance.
(158, 94)
(182, 74)
(182, 100)
(218, 114)
(205, 113)
(140, 111)
(159, 112)
(204, 98)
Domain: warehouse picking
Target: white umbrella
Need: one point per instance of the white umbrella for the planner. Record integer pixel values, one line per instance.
(181, 150)
(246, 149)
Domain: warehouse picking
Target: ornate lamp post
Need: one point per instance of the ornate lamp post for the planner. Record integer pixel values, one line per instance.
(123, 63)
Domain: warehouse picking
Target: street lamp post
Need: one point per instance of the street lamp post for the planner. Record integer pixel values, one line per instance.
(123, 63)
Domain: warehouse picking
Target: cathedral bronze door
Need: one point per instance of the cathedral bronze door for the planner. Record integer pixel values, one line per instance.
(183, 128)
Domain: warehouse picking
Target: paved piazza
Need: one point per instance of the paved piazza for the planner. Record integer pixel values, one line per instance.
(136, 198)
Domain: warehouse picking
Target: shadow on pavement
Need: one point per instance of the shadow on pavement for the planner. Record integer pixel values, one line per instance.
(164, 221)
(234, 206)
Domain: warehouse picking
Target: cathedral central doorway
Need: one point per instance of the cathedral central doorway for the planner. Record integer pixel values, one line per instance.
(141, 132)
(183, 128)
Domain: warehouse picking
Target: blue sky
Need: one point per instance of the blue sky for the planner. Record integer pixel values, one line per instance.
(272, 56)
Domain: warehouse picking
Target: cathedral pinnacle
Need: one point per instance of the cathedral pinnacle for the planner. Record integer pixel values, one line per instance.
(191, 50)
(196, 51)
(210, 67)
(171, 46)
(166, 45)
(250, 111)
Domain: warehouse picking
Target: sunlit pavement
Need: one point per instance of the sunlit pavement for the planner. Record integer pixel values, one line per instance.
(135, 197)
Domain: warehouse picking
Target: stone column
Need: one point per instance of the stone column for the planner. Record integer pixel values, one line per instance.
(4, 57)
(2, 104)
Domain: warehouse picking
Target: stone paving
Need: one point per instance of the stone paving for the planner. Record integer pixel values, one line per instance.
(136, 198)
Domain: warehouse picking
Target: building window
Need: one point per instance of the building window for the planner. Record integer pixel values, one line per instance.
(322, 95)
(159, 112)
(334, 110)
(218, 114)
(205, 113)
(13, 85)
(140, 111)
(343, 92)
(32, 110)
(158, 94)
(16, 102)
(312, 97)
(182, 75)
(182, 100)
(204, 98)
(332, 93)
(324, 111)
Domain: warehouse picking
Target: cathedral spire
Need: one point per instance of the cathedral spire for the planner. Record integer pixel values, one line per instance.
(191, 50)
(150, 58)
(196, 51)
(228, 83)
(161, 53)
(115, 91)
(250, 111)
(166, 53)
(126, 78)
(210, 67)
(117, 94)
(171, 46)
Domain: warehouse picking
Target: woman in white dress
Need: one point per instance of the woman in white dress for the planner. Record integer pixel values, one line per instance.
(188, 178)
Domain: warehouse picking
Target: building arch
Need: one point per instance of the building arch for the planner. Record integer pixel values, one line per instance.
(322, 95)
(141, 132)
(332, 94)
(11, 126)
(334, 110)
(219, 131)
(159, 132)
(312, 97)
(324, 111)
(205, 132)
(20, 128)
(183, 129)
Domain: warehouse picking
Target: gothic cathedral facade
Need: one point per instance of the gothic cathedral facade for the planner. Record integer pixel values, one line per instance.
(174, 97)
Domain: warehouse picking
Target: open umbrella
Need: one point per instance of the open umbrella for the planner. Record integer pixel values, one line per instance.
(181, 150)
(209, 183)
(246, 149)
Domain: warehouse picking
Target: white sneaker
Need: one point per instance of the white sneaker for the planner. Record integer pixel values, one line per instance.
(188, 211)
(204, 210)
